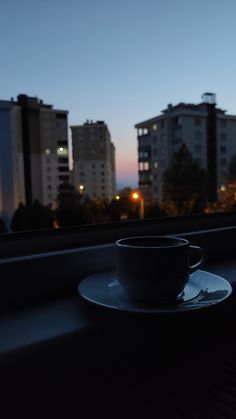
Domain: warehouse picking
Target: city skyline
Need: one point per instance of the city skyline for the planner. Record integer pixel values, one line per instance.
(122, 63)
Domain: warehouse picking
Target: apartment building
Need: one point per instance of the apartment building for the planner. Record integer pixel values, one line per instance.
(12, 186)
(208, 132)
(93, 160)
(34, 158)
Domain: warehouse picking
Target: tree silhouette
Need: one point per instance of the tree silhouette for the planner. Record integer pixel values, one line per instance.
(123, 208)
(69, 212)
(74, 208)
(21, 219)
(185, 184)
(155, 210)
(40, 216)
(34, 217)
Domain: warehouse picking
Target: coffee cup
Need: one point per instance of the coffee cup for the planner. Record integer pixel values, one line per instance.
(155, 268)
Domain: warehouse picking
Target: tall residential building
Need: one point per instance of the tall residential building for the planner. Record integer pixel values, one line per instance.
(207, 131)
(93, 160)
(34, 158)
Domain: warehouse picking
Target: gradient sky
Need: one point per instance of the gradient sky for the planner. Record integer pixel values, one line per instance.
(118, 61)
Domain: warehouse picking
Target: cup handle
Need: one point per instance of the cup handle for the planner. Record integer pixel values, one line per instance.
(193, 268)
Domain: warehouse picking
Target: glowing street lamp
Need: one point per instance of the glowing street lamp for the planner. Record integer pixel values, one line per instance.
(81, 189)
(136, 196)
(117, 197)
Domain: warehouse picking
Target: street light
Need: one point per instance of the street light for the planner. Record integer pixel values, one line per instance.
(136, 196)
(81, 188)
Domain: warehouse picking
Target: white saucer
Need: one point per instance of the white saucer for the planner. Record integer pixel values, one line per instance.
(203, 290)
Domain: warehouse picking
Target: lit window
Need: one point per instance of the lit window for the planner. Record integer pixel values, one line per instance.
(154, 127)
(47, 151)
(144, 166)
(62, 151)
(155, 165)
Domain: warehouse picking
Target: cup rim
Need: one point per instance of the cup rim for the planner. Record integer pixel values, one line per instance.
(126, 242)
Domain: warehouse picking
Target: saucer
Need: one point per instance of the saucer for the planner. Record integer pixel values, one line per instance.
(203, 290)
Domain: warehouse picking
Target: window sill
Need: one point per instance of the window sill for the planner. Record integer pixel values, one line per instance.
(59, 319)
(65, 357)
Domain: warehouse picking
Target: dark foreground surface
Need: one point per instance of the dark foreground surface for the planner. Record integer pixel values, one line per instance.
(124, 366)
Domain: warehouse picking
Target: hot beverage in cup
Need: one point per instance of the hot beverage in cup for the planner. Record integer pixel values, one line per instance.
(155, 268)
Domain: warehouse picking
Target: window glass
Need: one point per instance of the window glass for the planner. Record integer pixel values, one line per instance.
(198, 135)
(223, 162)
(223, 136)
(62, 151)
(198, 149)
(144, 122)
(197, 122)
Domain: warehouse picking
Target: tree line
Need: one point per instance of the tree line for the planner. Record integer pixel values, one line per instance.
(185, 192)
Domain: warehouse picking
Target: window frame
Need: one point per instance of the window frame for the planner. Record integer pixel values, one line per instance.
(44, 264)
(48, 240)
(43, 276)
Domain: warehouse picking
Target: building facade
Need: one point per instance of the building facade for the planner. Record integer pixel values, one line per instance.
(207, 131)
(93, 160)
(34, 157)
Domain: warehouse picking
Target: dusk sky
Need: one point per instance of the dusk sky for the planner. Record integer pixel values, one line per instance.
(118, 61)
